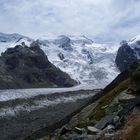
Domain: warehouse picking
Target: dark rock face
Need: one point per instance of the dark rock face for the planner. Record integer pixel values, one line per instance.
(27, 67)
(125, 57)
(89, 56)
(104, 122)
(61, 56)
(65, 43)
(135, 76)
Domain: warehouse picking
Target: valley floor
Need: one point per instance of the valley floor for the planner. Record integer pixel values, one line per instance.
(41, 111)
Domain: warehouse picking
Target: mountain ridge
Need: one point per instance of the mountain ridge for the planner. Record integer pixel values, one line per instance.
(29, 67)
(128, 52)
(80, 57)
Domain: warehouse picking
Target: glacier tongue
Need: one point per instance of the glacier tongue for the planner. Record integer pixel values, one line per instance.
(90, 63)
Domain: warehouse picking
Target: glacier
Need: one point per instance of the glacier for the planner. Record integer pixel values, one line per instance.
(89, 62)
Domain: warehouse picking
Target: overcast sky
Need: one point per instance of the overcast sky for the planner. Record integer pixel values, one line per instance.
(108, 19)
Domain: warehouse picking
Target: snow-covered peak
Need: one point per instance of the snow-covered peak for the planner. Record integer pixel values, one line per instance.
(134, 43)
(11, 40)
(134, 39)
(9, 37)
(90, 63)
(12, 37)
(81, 39)
(128, 53)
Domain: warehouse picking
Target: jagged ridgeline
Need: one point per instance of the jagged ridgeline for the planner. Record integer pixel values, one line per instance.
(89, 62)
(128, 53)
(28, 67)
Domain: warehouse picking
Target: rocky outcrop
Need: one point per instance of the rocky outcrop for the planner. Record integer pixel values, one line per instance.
(64, 42)
(125, 56)
(28, 67)
(105, 116)
(106, 127)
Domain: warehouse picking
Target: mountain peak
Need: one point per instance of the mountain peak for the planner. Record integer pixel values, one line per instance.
(80, 57)
(14, 37)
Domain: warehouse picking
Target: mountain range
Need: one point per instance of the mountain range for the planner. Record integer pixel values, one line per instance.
(67, 61)
(89, 63)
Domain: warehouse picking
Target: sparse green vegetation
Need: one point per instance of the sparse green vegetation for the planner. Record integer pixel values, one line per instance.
(98, 109)
(83, 123)
(99, 112)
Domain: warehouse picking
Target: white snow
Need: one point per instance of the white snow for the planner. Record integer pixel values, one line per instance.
(5, 45)
(133, 40)
(90, 63)
(77, 62)
(134, 43)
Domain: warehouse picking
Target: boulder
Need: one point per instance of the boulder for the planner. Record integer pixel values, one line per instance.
(110, 128)
(124, 97)
(108, 119)
(92, 130)
(78, 130)
(116, 119)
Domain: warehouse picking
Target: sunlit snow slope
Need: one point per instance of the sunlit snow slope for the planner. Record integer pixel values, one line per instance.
(89, 63)
(86, 61)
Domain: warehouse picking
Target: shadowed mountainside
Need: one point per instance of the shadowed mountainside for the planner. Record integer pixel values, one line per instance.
(105, 116)
(29, 67)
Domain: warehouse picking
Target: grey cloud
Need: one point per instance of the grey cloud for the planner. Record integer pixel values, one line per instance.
(111, 19)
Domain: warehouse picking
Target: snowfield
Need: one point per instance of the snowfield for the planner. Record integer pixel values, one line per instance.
(88, 62)
(84, 60)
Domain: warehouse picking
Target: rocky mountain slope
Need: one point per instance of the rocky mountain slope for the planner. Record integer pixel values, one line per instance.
(27, 67)
(90, 63)
(128, 52)
(108, 116)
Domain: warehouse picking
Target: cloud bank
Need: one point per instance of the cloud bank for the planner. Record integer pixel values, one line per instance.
(112, 20)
